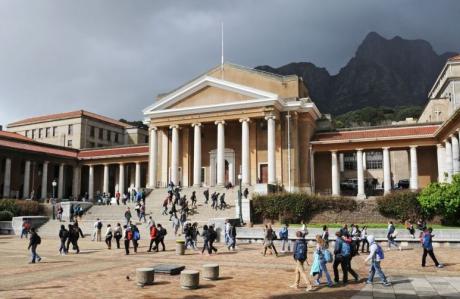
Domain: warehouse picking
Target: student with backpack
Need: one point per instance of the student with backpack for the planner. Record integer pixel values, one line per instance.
(300, 258)
(161, 233)
(117, 234)
(284, 237)
(427, 244)
(375, 256)
(270, 235)
(341, 257)
(153, 237)
(108, 236)
(34, 241)
(63, 236)
(322, 256)
(127, 236)
(391, 236)
(136, 236)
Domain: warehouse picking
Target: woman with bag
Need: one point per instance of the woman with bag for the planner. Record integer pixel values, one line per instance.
(322, 256)
(268, 239)
(108, 236)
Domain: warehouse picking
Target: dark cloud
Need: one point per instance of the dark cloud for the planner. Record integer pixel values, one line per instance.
(113, 57)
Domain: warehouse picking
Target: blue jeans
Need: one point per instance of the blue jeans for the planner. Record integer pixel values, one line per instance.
(375, 267)
(283, 244)
(35, 255)
(324, 269)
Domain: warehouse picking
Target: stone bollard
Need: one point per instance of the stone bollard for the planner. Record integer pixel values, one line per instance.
(189, 279)
(145, 276)
(180, 247)
(211, 271)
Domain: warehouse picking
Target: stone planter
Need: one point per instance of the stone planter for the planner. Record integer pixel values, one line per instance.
(189, 279)
(180, 247)
(145, 276)
(211, 271)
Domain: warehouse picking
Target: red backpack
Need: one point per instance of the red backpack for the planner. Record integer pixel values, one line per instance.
(129, 235)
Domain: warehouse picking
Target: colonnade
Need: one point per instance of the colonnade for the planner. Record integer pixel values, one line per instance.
(448, 158)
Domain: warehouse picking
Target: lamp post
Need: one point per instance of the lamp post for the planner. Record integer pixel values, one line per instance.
(240, 195)
(53, 200)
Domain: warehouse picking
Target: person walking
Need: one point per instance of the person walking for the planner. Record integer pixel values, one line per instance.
(108, 236)
(427, 244)
(165, 207)
(136, 237)
(375, 256)
(268, 239)
(34, 241)
(284, 237)
(74, 234)
(142, 212)
(231, 237)
(352, 252)
(118, 233)
(212, 235)
(205, 236)
(175, 224)
(339, 258)
(128, 215)
(391, 236)
(117, 197)
(364, 240)
(127, 236)
(324, 257)
(410, 228)
(25, 229)
(206, 196)
(193, 198)
(153, 236)
(161, 233)
(325, 236)
(63, 236)
(300, 258)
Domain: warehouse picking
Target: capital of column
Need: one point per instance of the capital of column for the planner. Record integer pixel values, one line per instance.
(439, 145)
(386, 148)
(217, 122)
(153, 128)
(242, 120)
(333, 151)
(267, 117)
(174, 127)
(413, 146)
(46, 162)
(196, 125)
(359, 149)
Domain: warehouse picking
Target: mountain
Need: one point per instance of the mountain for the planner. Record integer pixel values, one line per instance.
(383, 72)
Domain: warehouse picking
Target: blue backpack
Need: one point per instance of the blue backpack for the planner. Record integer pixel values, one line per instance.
(327, 255)
(136, 235)
(346, 251)
(300, 253)
(379, 252)
(283, 233)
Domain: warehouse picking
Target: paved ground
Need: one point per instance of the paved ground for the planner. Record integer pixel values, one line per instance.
(100, 273)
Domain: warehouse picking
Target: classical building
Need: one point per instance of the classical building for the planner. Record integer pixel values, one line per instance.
(233, 122)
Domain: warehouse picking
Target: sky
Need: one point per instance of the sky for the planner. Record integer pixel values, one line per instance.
(114, 57)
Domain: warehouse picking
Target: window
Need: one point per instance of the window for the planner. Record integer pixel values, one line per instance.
(54, 131)
(69, 143)
(147, 139)
(70, 129)
(349, 161)
(27, 133)
(47, 132)
(109, 135)
(116, 137)
(40, 133)
(92, 131)
(33, 134)
(374, 160)
(101, 133)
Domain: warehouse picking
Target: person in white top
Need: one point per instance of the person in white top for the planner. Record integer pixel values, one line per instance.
(108, 236)
(375, 256)
(97, 230)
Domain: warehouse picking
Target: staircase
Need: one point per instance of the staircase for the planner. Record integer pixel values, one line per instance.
(113, 213)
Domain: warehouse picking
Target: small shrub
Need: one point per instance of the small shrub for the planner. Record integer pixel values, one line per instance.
(9, 205)
(21, 207)
(402, 205)
(6, 216)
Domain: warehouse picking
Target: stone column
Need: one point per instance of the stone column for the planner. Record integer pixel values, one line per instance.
(153, 159)
(26, 188)
(335, 174)
(175, 155)
(91, 182)
(105, 183)
(76, 186)
(121, 178)
(196, 154)
(413, 168)
(455, 153)
(440, 152)
(164, 157)
(138, 176)
(245, 175)
(448, 162)
(271, 149)
(45, 180)
(341, 162)
(61, 181)
(7, 179)
(220, 153)
(360, 173)
(386, 171)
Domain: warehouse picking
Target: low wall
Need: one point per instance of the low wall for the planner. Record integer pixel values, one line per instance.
(35, 222)
(6, 228)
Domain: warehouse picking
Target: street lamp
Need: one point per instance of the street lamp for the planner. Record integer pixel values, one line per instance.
(53, 200)
(240, 195)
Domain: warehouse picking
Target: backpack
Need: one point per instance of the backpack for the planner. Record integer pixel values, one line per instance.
(39, 240)
(164, 232)
(99, 225)
(65, 234)
(283, 233)
(300, 253)
(129, 235)
(346, 250)
(327, 255)
(379, 252)
(136, 235)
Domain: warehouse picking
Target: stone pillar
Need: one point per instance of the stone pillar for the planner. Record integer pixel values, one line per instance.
(138, 176)
(341, 162)
(175, 155)
(271, 149)
(7, 179)
(220, 153)
(91, 182)
(121, 178)
(26, 189)
(105, 183)
(153, 159)
(364, 161)
(76, 186)
(413, 168)
(164, 157)
(245, 175)
(61, 181)
(335, 174)
(386, 171)
(196, 154)
(448, 162)
(440, 152)
(455, 153)
(360, 173)
(45, 180)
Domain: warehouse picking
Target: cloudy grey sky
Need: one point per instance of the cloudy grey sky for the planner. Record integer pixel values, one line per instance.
(114, 57)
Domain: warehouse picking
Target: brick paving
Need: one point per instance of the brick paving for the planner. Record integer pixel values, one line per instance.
(101, 273)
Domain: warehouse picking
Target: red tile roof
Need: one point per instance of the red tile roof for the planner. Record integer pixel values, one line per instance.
(117, 152)
(412, 131)
(67, 115)
(12, 135)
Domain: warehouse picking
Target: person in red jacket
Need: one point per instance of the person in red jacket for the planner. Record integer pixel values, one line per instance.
(153, 236)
